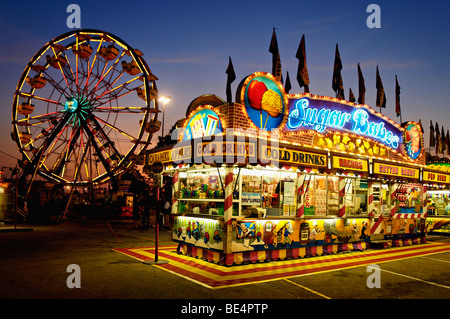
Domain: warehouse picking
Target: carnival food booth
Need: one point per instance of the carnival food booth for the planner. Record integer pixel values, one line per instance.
(278, 176)
(436, 176)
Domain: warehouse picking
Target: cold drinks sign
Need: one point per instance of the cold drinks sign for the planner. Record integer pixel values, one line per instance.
(325, 115)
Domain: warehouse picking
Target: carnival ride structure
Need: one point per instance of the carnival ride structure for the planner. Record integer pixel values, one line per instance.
(85, 105)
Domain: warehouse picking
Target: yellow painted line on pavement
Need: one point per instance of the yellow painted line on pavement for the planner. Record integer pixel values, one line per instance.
(436, 259)
(414, 278)
(116, 237)
(308, 289)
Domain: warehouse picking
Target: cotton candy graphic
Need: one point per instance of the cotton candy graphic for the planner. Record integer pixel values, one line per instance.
(262, 98)
(271, 103)
(256, 91)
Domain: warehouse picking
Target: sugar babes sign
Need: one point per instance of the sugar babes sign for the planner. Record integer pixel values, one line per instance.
(323, 115)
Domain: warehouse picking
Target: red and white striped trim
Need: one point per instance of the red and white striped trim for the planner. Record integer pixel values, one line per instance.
(409, 215)
(228, 206)
(370, 206)
(425, 199)
(300, 194)
(175, 191)
(376, 226)
(341, 197)
(393, 191)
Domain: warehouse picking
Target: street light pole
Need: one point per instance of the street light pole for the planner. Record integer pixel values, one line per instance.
(164, 100)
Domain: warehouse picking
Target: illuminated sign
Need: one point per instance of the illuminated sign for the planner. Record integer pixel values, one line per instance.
(296, 157)
(328, 116)
(264, 100)
(204, 122)
(436, 177)
(349, 143)
(220, 151)
(175, 154)
(413, 140)
(350, 164)
(393, 170)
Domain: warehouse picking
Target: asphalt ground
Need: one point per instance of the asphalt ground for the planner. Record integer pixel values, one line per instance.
(34, 261)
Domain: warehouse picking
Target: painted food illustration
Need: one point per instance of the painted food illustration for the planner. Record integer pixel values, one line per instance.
(412, 141)
(262, 98)
(264, 102)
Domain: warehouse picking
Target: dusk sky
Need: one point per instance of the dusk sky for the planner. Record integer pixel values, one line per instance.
(187, 45)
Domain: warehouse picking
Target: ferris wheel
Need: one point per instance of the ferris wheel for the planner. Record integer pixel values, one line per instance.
(85, 105)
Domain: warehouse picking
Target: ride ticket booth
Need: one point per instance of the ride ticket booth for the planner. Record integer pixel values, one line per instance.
(277, 176)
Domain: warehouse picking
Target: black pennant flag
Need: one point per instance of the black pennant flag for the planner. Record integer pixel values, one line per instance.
(287, 86)
(302, 71)
(381, 95)
(337, 78)
(276, 62)
(432, 140)
(230, 78)
(351, 97)
(397, 98)
(438, 138)
(362, 87)
(337, 83)
(443, 141)
(447, 137)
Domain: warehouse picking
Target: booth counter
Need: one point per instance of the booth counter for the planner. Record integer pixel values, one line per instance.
(264, 239)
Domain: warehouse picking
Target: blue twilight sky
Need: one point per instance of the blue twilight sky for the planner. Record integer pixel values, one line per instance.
(187, 44)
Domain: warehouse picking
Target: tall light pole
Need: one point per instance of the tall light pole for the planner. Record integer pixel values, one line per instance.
(164, 100)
